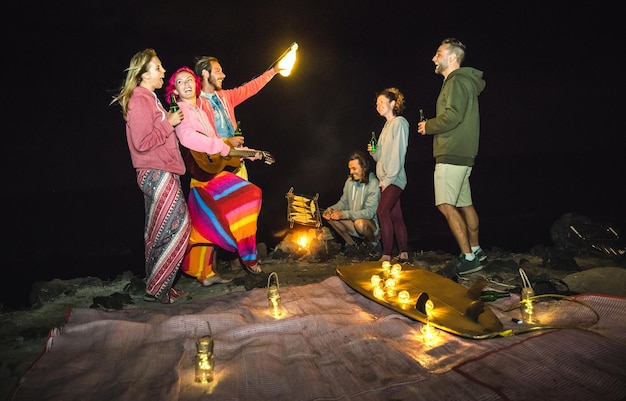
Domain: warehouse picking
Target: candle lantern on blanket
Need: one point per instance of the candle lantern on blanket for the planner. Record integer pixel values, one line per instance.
(428, 331)
(205, 360)
(426, 306)
(273, 296)
(527, 295)
(527, 307)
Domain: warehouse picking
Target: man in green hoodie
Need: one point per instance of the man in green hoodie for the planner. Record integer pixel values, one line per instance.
(455, 131)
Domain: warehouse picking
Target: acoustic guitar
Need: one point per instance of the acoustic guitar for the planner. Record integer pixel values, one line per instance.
(211, 165)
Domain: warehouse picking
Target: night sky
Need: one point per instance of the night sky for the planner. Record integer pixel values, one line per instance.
(549, 112)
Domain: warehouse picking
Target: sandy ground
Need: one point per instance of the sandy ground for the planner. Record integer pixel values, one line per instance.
(23, 333)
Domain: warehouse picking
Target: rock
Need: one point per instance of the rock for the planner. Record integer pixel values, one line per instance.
(608, 280)
(115, 301)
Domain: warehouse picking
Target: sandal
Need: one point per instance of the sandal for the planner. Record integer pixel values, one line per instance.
(174, 295)
(209, 281)
(398, 259)
(256, 269)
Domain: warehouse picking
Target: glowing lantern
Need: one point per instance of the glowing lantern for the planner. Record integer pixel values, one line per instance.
(379, 292)
(205, 360)
(395, 271)
(390, 287)
(386, 268)
(426, 306)
(273, 296)
(428, 331)
(527, 307)
(287, 60)
(527, 295)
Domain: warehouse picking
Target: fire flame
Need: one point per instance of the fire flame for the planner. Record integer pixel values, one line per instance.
(303, 240)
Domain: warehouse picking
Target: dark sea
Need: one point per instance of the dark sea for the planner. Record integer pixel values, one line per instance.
(99, 231)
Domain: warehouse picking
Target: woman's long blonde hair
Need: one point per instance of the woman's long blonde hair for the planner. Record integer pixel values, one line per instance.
(139, 64)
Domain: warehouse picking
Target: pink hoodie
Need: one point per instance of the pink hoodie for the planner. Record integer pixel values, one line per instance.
(151, 138)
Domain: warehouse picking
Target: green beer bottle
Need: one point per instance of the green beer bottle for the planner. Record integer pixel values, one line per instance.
(173, 104)
(373, 142)
(488, 296)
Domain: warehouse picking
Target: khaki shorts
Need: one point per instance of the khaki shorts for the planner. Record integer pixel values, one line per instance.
(452, 185)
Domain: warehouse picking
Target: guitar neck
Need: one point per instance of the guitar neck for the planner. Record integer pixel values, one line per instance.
(265, 156)
(243, 153)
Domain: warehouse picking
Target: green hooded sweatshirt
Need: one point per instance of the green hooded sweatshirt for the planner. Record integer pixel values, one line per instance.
(456, 128)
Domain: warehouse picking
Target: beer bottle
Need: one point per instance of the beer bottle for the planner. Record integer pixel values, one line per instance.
(373, 142)
(422, 117)
(238, 131)
(173, 104)
(488, 296)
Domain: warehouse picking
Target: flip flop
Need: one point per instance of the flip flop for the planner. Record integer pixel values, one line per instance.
(174, 295)
(209, 281)
(256, 269)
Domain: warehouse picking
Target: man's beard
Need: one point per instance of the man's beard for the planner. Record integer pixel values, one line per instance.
(215, 85)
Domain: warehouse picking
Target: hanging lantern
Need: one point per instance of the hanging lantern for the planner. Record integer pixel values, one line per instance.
(273, 296)
(287, 60)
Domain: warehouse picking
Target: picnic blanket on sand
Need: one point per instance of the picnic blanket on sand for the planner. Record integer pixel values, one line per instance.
(331, 344)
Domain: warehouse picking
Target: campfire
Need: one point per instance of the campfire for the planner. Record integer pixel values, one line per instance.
(306, 238)
(311, 244)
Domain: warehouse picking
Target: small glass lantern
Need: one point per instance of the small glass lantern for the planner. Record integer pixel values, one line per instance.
(273, 296)
(205, 360)
(429, 333)
(526, 306)
(527, 295)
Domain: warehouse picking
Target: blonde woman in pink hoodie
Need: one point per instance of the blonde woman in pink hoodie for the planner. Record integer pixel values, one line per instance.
(156, 157)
